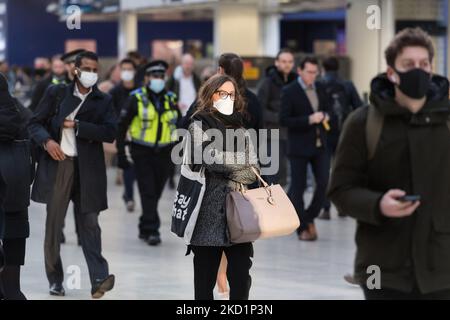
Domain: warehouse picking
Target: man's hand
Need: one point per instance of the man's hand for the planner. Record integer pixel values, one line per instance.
(69, 124)
(54, 150)
(316, 118)
(393, 208)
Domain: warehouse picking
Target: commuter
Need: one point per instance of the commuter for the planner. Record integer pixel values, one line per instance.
(269, 94)
(344, 99)
(15, 181)
(220, 106)
(305, 112)
(141, 63)
(120, 94)
(186, 84)
(232, 65)
(391, 174)
(71, 123)
(57, 76)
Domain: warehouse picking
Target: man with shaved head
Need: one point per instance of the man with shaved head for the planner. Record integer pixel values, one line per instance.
(185, 83)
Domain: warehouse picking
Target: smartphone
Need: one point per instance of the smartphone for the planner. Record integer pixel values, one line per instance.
(409, 198)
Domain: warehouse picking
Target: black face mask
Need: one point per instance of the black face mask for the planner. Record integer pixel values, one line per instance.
(40, 72)
(414, 83)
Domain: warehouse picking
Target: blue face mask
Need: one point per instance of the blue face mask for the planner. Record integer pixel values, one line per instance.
(157, 85)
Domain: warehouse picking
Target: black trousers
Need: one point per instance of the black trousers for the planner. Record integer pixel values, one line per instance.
(320, 164)
(391, 294)
(67, 188)
(152, 171)
(206, 265)
(128, 181)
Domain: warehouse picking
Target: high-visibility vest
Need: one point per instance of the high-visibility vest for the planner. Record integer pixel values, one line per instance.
(149, 128)
(57, 81)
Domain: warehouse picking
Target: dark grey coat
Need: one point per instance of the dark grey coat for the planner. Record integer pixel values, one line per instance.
(211, 228)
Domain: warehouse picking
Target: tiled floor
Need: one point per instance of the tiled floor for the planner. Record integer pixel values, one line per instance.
(284, 268)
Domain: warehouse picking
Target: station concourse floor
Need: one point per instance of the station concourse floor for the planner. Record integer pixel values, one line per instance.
(283, 268)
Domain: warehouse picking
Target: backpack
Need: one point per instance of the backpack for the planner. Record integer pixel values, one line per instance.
(10, 123)
(341, 105)
(374, 127)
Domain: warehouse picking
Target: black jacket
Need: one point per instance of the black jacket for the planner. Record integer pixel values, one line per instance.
(39, 91)
(294, 115)
(97, 124)
(269, 95)
(120, 95)
(412, 154)
(16, 172)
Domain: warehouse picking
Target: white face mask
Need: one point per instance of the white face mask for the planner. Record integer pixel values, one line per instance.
(88, 79)
(127, 75)
(224, 106)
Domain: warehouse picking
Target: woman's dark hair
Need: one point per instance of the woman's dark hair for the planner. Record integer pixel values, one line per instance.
(408, 37)
(233, 66)
(210, 87)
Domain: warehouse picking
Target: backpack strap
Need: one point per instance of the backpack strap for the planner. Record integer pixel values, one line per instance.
(374, 126)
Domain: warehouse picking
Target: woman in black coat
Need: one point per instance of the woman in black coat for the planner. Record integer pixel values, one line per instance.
(15, 180)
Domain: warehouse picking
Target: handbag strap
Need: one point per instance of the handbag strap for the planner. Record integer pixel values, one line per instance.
(186, 155)
(265, 184)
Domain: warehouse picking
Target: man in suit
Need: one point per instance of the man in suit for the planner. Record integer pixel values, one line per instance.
(305, 113)
(71, 123)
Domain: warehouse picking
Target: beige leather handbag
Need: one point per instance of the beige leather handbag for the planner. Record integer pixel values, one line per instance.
(260, 213)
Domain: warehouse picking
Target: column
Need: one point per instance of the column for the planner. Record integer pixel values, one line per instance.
(368, 34)
(128, 33)
(270, 34)
(237, 29)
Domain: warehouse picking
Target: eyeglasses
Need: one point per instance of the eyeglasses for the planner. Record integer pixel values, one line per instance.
(224, 95)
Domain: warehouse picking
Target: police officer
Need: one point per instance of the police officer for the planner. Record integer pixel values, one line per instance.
(61, 66)
(151, 116)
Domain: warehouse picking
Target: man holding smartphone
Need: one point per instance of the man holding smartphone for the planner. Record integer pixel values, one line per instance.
(392, 174)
